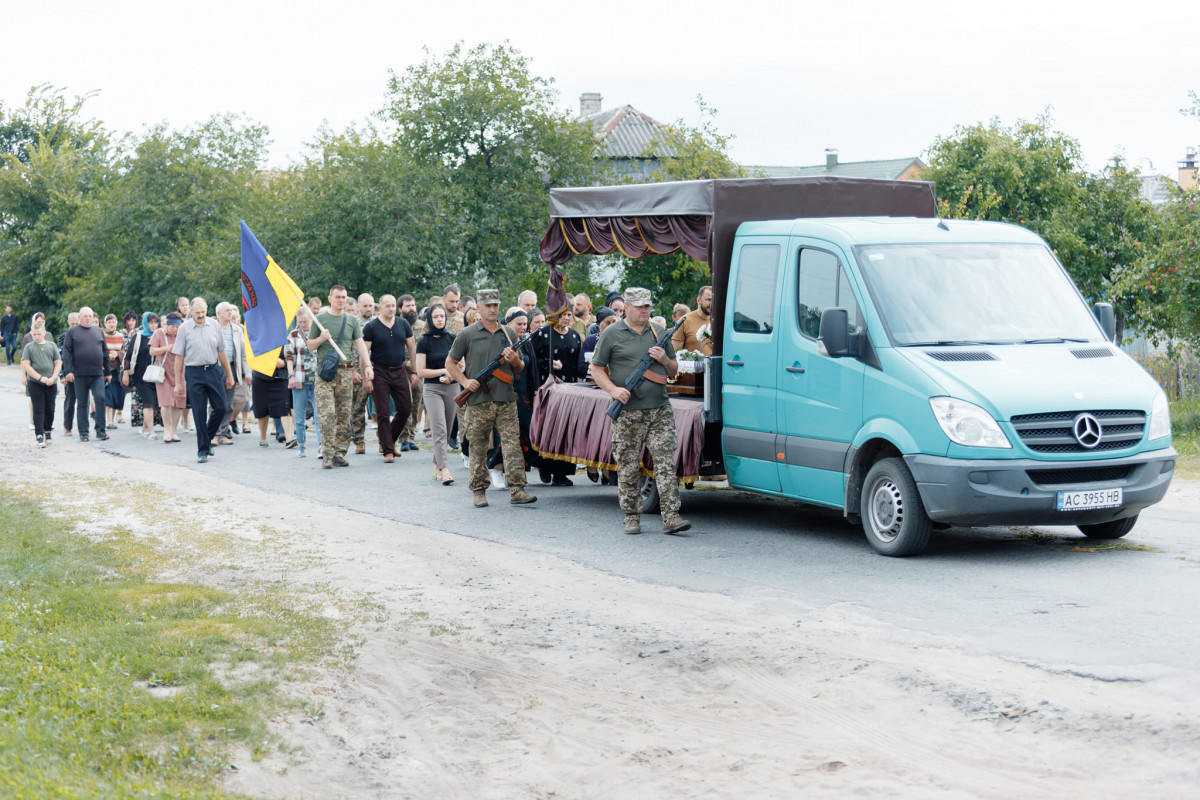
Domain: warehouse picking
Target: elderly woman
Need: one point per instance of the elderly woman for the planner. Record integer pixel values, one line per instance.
(172, 406)
(137, 357)
(114, 392)
(41, 364)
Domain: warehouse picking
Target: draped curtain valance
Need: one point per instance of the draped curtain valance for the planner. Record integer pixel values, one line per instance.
(634, 237)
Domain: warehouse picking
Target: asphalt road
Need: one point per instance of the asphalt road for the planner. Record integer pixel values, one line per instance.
(1018, 593)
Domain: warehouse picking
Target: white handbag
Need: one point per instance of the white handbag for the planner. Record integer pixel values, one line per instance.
(154, 373)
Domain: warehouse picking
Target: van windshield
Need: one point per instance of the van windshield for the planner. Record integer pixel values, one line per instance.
(974, 294)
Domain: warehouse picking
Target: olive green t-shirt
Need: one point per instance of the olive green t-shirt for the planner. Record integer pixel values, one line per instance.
(620, 348)
(334, 324)
(481, 348)
(41, 357)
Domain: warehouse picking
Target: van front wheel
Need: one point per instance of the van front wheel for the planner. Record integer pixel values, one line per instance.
(892, 515)
(1113, 529)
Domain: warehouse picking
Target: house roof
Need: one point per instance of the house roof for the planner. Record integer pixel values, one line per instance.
(625, 132)
(888, 169)
(1158, 189)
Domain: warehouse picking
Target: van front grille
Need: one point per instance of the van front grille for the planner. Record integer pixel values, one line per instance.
(1054, 432)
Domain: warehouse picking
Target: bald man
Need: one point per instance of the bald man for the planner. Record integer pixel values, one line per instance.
(84, 354)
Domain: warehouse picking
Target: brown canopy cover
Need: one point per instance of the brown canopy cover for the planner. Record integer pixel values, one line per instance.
(701, 217)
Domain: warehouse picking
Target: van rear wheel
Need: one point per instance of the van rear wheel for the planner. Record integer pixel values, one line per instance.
(892, 514)
(1113, 529)
(649, 492)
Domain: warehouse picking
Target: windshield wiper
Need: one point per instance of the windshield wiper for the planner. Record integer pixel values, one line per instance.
(1052, 340)
(950, 343)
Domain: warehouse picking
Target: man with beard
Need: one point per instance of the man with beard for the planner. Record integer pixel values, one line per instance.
(689, 336)
(581, 306)
(408, 312)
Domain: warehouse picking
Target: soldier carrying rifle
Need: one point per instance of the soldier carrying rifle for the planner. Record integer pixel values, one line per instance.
(646, 420)
(492, 401)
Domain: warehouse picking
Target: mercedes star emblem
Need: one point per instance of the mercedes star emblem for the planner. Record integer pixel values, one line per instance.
(1088, 430)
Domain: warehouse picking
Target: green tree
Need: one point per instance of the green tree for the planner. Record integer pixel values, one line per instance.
(51, 160)
(167, 223)
(479, 121)
(699, 152)
(1164, 281)
(362, 213)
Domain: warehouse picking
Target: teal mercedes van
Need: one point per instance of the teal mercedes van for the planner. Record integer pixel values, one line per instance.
(914, 371)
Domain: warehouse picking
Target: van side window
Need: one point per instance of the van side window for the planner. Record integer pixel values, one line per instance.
(754, 295)
(822, 284)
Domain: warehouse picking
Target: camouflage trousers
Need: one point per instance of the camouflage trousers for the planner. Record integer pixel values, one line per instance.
(653, 428)
(480, 420)
(358, 412)
(333, 413)
(410, 428)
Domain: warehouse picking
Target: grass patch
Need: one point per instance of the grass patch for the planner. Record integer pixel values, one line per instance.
(1185, 437)
(114, 685)
(1100, 547)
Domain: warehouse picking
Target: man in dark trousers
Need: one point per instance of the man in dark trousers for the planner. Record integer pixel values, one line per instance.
(202, 367)
(84, 355)
(68, 417)
(9, 326)
(390, 342)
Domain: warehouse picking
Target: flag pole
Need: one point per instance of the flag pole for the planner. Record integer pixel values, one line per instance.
(322, 328)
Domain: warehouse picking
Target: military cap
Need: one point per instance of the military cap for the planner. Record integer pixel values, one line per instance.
(637, 296)
(488, 297)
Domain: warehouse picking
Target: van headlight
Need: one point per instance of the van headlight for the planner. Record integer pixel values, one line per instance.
(967, 424)
(1160, 416)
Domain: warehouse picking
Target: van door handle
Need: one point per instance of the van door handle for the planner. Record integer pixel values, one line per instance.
(736, 363)
(794, 369)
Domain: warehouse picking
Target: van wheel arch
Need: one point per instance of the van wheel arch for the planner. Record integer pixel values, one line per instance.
(861, 462)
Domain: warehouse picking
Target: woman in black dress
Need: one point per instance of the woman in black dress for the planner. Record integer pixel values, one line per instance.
(556, 348)
(272, 401)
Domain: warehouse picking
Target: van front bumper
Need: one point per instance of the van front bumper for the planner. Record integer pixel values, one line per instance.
(1025, 491)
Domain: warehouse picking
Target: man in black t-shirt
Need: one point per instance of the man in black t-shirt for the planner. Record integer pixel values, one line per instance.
(390, 341)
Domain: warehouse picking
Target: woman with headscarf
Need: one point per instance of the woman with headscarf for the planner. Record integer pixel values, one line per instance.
(160, 349)
(438, 389)
(145, 395)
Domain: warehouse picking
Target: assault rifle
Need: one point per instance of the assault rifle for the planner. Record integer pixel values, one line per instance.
(492, 370)
(639, 373)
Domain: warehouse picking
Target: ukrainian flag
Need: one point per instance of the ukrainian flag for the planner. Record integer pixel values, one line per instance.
(270, 300)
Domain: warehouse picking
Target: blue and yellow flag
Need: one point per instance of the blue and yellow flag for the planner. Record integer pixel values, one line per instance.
(270, 300)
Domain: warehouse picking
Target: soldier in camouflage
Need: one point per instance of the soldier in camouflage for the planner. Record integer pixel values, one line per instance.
(645, 421)
(335, 396)
(493, 402)
(358, 402)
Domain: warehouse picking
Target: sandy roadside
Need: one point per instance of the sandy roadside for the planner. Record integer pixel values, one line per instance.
(493, 672)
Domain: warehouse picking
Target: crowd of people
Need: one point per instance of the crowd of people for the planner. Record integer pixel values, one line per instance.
(352, 363)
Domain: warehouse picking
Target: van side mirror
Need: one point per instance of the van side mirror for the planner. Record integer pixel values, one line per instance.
(1108, 320)
(835, 332)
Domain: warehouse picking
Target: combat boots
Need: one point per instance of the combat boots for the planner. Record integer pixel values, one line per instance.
(633, 524)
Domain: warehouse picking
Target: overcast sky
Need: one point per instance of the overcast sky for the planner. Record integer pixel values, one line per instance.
(789, 79)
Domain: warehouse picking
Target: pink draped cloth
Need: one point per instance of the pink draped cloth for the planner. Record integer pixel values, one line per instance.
(569, 424)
